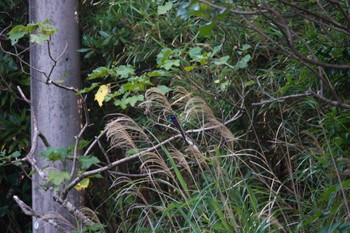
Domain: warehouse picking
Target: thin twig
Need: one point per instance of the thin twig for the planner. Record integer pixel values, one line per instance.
(306, 94)
(97, 138)
(27, 210)
(222, 8)
(282, 98)
(113, 164)
(35, 135)
(331, 102)
(79, 136)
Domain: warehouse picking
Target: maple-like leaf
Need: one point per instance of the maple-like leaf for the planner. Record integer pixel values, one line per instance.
(101, 93)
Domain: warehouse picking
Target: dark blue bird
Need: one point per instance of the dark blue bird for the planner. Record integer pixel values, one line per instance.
(177, 125)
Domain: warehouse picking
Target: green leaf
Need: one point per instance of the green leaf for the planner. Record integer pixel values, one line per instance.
(165, 8)
(246, 47)
(50, 153)
(41, 35)
(39, 39)
(168, 64)
(221, 60)
(34, 26)
(83, 144)
(188, 8)
(103, 33)
(84, 50)
(88, 161)
(125, 71)
(89, 54)
(57, 177)
(157, 73)
(16, 33)
(125, 101)
(48, 30)
(99, 72)
(163, 56)
(206, 29)
(217, 49)
(327, 193)
(15, 154)
(54, 154)
(163, 89)
(183, 10)
(189, 68)
(243, 63)
(135, 84)
(249, 83)
(195, 52)
(197, 55)
(88, 89)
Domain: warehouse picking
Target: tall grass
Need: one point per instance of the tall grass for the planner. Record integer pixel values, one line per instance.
(210, 186)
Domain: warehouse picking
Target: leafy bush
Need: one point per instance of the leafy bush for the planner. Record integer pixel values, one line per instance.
(261, 91)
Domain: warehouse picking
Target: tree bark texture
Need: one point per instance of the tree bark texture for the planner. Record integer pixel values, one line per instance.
(57, 110)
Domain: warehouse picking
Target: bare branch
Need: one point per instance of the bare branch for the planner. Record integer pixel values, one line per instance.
(46, 75)
(286, 31)
(73, 210)
(263, 9)
(306, 94)
(282, 99)
(317, 18)
(293, 53)
(331, 102)
(54, 60)
(30, 156)
(341, 9)
(62, 86)
(222, 8)
(79, 136)
(23, 96)
(94, 142)
(27, 210)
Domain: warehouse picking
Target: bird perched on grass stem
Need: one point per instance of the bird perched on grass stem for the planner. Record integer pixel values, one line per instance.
(177, 125)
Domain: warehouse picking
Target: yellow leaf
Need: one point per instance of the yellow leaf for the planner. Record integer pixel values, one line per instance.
(101, 93)
(82, 184)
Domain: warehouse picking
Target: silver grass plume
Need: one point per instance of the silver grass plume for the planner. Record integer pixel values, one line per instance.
(124, 133)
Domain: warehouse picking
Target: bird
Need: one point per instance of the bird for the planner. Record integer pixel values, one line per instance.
(177, 125)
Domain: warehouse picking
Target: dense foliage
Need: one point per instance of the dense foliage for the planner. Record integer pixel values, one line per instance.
(14, 121)
(262, 90)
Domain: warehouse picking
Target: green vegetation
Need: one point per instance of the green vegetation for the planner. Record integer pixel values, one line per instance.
(261, 90)
(14, 121)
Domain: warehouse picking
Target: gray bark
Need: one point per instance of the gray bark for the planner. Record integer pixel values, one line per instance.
(57, 110)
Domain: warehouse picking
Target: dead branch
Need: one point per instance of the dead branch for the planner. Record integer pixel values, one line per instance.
(222, 8)
(331, 102)
(30, 158)
(282, 99)
(306, 94)
(27, 210)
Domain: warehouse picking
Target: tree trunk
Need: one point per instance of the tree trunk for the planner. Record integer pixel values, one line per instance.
(57, 110)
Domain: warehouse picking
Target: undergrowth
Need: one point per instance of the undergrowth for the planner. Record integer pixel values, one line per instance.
(209, 185)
